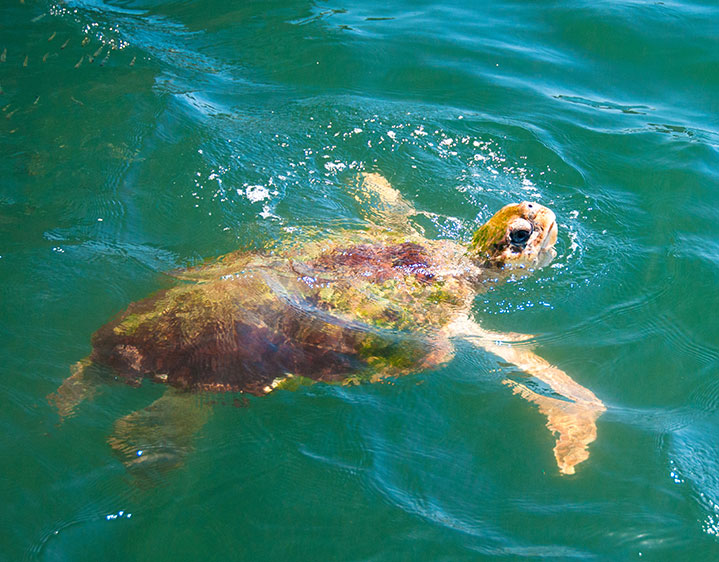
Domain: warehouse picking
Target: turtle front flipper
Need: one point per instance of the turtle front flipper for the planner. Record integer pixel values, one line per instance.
(383, 203)
(79, 386)
(160, 436)
(573, 416)
(573, 422)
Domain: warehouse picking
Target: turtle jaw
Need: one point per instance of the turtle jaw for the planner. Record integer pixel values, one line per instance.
(546, 251)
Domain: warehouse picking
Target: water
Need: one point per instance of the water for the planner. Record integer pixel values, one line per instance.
(142, 136)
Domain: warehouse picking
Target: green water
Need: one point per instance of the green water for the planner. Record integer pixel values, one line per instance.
(130, 133)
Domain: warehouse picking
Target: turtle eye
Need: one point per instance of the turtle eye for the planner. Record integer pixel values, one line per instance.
(519, 236)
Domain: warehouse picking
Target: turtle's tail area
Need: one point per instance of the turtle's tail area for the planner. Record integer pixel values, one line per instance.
(74, 389)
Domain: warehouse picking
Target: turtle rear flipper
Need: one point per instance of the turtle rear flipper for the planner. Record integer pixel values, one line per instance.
(79, 386)
(160, 436)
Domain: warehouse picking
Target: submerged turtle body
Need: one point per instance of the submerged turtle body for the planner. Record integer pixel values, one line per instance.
(363, 306)
(350, 306)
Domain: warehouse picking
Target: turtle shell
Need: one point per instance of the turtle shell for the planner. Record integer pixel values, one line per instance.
(332, 311)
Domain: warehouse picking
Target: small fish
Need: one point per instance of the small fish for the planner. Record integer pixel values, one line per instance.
(78, 102)
(107, 56)
(90, 59)
(3, 56)
(85, 41)
(36, 18)
(98, 51)
(52, 36)
(37, 99)
(80, 61)
(4, 109)
(13, 112)
(132, 62)
(65, 44)
(44, 57)
(24, 63)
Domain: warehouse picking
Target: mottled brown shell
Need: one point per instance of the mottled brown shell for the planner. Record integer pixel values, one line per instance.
(326, 311)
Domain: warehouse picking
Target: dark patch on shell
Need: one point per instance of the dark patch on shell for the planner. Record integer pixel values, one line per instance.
(381, 262)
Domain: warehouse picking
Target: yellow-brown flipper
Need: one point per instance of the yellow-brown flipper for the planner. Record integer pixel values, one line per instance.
(573, 419)
(382, 204)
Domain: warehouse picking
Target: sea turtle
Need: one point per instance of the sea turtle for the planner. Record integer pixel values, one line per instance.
(343, 307)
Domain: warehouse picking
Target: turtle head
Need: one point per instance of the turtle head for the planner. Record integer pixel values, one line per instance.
(518, 235)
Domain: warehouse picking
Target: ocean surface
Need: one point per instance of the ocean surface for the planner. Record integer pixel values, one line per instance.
(142, 136)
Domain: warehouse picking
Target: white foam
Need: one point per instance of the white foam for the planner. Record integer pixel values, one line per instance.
(256, 193)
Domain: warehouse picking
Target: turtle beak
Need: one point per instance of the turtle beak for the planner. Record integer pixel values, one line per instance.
(551, 238)
(546, 252)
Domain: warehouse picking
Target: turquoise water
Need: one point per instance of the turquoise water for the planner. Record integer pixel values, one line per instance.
(142, 136)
